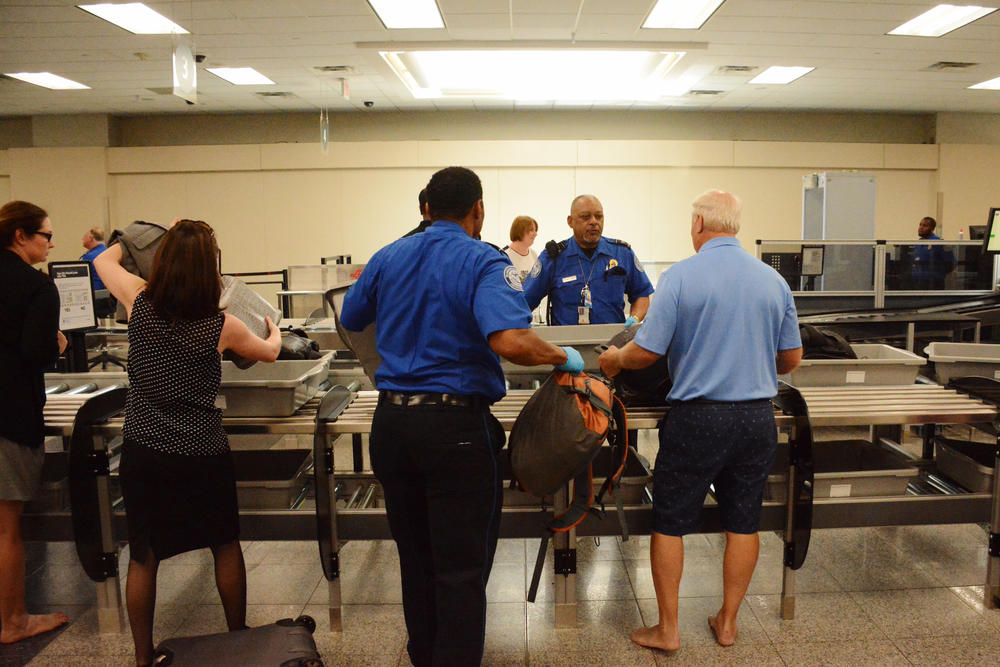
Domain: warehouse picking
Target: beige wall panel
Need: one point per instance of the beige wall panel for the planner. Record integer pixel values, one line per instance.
(70, 183)
(911, 156)
(544, 194)
(156, 198)
(231, 203)
(378, 207)
(348, 154)
(656, 153)
(4, 162)
(161, 159)
(902, 198)
(814, 155)
(625, 195)
(4, 188)
(303, 217)
(968, 179)
(439, 154)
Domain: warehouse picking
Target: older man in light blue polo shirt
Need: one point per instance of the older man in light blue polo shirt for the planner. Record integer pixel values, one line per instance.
(727, 323)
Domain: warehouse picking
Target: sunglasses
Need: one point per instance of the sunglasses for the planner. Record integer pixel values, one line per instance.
(47, 235)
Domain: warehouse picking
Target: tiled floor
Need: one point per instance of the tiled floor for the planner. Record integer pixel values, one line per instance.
(867, 596)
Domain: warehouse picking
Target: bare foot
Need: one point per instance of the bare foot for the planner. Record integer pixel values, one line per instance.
(724, 634)
(657, 637)
(34, 624)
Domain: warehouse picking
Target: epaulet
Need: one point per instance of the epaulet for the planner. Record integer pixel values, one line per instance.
(504, 249)
(618, 242)
(555, 248)
(495, 247)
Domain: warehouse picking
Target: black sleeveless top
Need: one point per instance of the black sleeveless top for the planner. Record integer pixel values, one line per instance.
(174, 371)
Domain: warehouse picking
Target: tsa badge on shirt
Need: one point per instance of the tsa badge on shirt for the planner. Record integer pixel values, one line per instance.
(536, 268)
(513, 278)
(612, 263)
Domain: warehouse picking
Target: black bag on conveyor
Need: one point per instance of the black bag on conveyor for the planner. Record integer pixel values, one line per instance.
(557, 436)
(824, 344)
(644, 387)
(297, 345)
(286, 643)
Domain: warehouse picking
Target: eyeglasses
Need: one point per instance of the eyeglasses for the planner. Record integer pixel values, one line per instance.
(47, 235)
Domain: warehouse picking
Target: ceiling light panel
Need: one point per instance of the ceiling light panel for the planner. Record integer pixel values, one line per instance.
(135, 17)
(535, 75)
(941, 20)
(781, 75)
(401, 14)
(241, 76)
(992, 84)
(681, 14)
(48, 80)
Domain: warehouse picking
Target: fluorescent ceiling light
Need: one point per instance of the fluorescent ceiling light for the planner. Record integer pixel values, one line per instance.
(398, 14)
(992, 84)
(135, 17)
(560, 75)
(941, 20)
(682, 14)
(48, 80)
(779, 74)
(241, 76)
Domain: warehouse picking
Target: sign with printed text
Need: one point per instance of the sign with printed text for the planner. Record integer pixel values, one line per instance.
(76, 295)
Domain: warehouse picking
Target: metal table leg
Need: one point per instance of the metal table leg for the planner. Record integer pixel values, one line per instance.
(911, 330)
(992, 592)
(110, 619)
(564, 559)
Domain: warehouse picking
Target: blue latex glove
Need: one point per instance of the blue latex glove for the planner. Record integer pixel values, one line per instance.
(574, 362)
(629, 321)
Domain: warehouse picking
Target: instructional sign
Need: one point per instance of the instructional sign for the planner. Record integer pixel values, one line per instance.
(76, 295)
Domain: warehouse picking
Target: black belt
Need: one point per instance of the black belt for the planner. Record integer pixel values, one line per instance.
(404, 399)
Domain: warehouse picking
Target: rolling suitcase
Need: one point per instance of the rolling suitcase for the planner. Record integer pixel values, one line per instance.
(286, 643)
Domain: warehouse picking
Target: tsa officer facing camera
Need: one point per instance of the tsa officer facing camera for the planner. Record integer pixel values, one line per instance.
(587, 276)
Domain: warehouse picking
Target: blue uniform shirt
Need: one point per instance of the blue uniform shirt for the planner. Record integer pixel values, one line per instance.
(612, 272)
(721, 317)
(435, 297)
(89, 256)
(932, 262)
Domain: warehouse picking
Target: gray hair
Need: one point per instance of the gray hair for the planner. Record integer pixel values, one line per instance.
(720, 211)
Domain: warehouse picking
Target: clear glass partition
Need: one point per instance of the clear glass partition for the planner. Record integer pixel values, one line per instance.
(937, 265)
(823, 266)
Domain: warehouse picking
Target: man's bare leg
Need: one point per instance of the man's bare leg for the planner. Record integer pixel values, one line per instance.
(737, 570)
(17, 623)
(666, 556)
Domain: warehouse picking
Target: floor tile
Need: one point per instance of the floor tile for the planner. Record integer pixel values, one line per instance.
(702, 577)
(280, 584)
(513, 550)
(975, 597)
(602, 625)
(207, 619)
(812, 577)
(836, 654)
(693, 616)
(970, 650)
(506, 628)
(595, 580)
(606, 657)
(934, 612)
(818, 617)
(954, 554)
(506, 583)
(363, 583)
(863, 561)
(372, 635)
(752, 655)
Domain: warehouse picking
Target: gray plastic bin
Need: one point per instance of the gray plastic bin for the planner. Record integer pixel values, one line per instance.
(847, 468)
(968, 463)
(955, 360)
(877, 364)
(271, 390)
(271, 479)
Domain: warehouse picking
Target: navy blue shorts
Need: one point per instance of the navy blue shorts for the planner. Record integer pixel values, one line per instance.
(728, 445)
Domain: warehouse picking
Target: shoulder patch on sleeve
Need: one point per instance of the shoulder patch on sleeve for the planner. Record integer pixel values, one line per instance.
(513, 278)
(536, 269)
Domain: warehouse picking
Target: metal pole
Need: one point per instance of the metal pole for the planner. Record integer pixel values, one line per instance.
(109, 598)
(992, 591)
(564, 561)
(788, 574)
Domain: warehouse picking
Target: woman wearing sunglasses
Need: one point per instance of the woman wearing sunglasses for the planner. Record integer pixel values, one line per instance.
(30, 340)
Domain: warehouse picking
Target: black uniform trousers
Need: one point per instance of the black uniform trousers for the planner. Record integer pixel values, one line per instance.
(440, 469)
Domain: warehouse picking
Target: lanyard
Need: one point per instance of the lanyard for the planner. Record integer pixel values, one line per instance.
(585, 297)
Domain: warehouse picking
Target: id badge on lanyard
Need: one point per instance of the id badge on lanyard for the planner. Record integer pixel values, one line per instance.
(583, 311)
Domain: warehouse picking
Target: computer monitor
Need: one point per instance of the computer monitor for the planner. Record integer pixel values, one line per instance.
(977, 232)
(991, 242)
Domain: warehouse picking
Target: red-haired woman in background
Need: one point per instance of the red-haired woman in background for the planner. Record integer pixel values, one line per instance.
(176, 469)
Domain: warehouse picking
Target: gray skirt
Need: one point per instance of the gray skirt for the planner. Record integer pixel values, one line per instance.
(20, 470)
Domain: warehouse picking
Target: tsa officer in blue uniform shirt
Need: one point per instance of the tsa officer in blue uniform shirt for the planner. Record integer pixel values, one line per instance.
(445, 305)
(587, 276)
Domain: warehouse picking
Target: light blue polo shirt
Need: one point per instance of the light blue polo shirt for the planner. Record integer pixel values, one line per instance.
(435, 298)
(721, 316)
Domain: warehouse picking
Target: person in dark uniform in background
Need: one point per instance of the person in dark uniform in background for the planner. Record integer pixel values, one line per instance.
(425, 220)
(445, 305)
(727, 323)
(587, 276)
(931, 263)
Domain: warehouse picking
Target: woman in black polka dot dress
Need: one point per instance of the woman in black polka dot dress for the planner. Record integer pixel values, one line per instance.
(176, 469)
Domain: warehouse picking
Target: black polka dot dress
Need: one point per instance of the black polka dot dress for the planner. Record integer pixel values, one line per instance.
(176, 471)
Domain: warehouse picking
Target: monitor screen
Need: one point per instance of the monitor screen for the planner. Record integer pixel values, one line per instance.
(992, 241)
